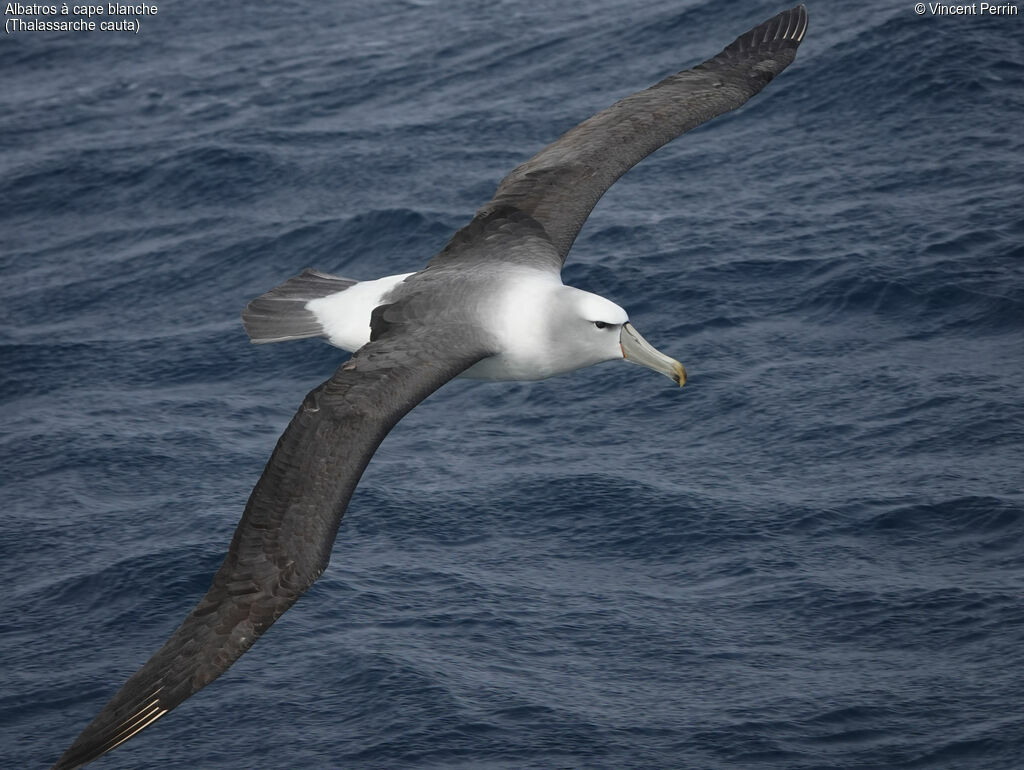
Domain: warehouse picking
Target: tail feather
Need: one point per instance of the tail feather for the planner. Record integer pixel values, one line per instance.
(281, 313)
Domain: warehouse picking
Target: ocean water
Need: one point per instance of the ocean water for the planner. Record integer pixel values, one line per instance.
(812, 556)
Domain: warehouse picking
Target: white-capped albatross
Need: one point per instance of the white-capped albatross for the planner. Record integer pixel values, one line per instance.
(490, 305)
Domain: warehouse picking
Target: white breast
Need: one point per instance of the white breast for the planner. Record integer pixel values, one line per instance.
(519, 319)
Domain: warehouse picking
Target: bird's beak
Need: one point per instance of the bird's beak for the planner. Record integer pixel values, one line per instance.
(638, 350)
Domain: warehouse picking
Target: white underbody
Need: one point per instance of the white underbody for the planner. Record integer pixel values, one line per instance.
(539, 326)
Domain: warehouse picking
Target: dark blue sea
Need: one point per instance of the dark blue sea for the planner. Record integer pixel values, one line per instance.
(812, 556)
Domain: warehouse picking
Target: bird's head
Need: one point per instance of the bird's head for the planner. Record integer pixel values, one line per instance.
(598, 330)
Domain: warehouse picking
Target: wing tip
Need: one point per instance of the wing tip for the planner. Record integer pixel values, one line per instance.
(788, 26)
(122, 718)
(764, 51)
(798, 19)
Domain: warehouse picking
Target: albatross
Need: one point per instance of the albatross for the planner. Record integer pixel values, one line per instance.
(490, 305)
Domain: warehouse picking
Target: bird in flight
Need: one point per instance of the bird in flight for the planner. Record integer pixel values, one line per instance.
(491, 305)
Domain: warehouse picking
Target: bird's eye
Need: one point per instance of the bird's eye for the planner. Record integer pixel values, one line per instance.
(600, 324)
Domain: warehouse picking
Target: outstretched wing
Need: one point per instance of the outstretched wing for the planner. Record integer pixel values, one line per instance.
(284, 540)
(559, 186)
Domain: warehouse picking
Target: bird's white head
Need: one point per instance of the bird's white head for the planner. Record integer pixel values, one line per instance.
(591, 329)
(542, 328)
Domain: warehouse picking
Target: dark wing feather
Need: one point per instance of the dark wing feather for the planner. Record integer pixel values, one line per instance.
(284, 540)
(559, 186)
